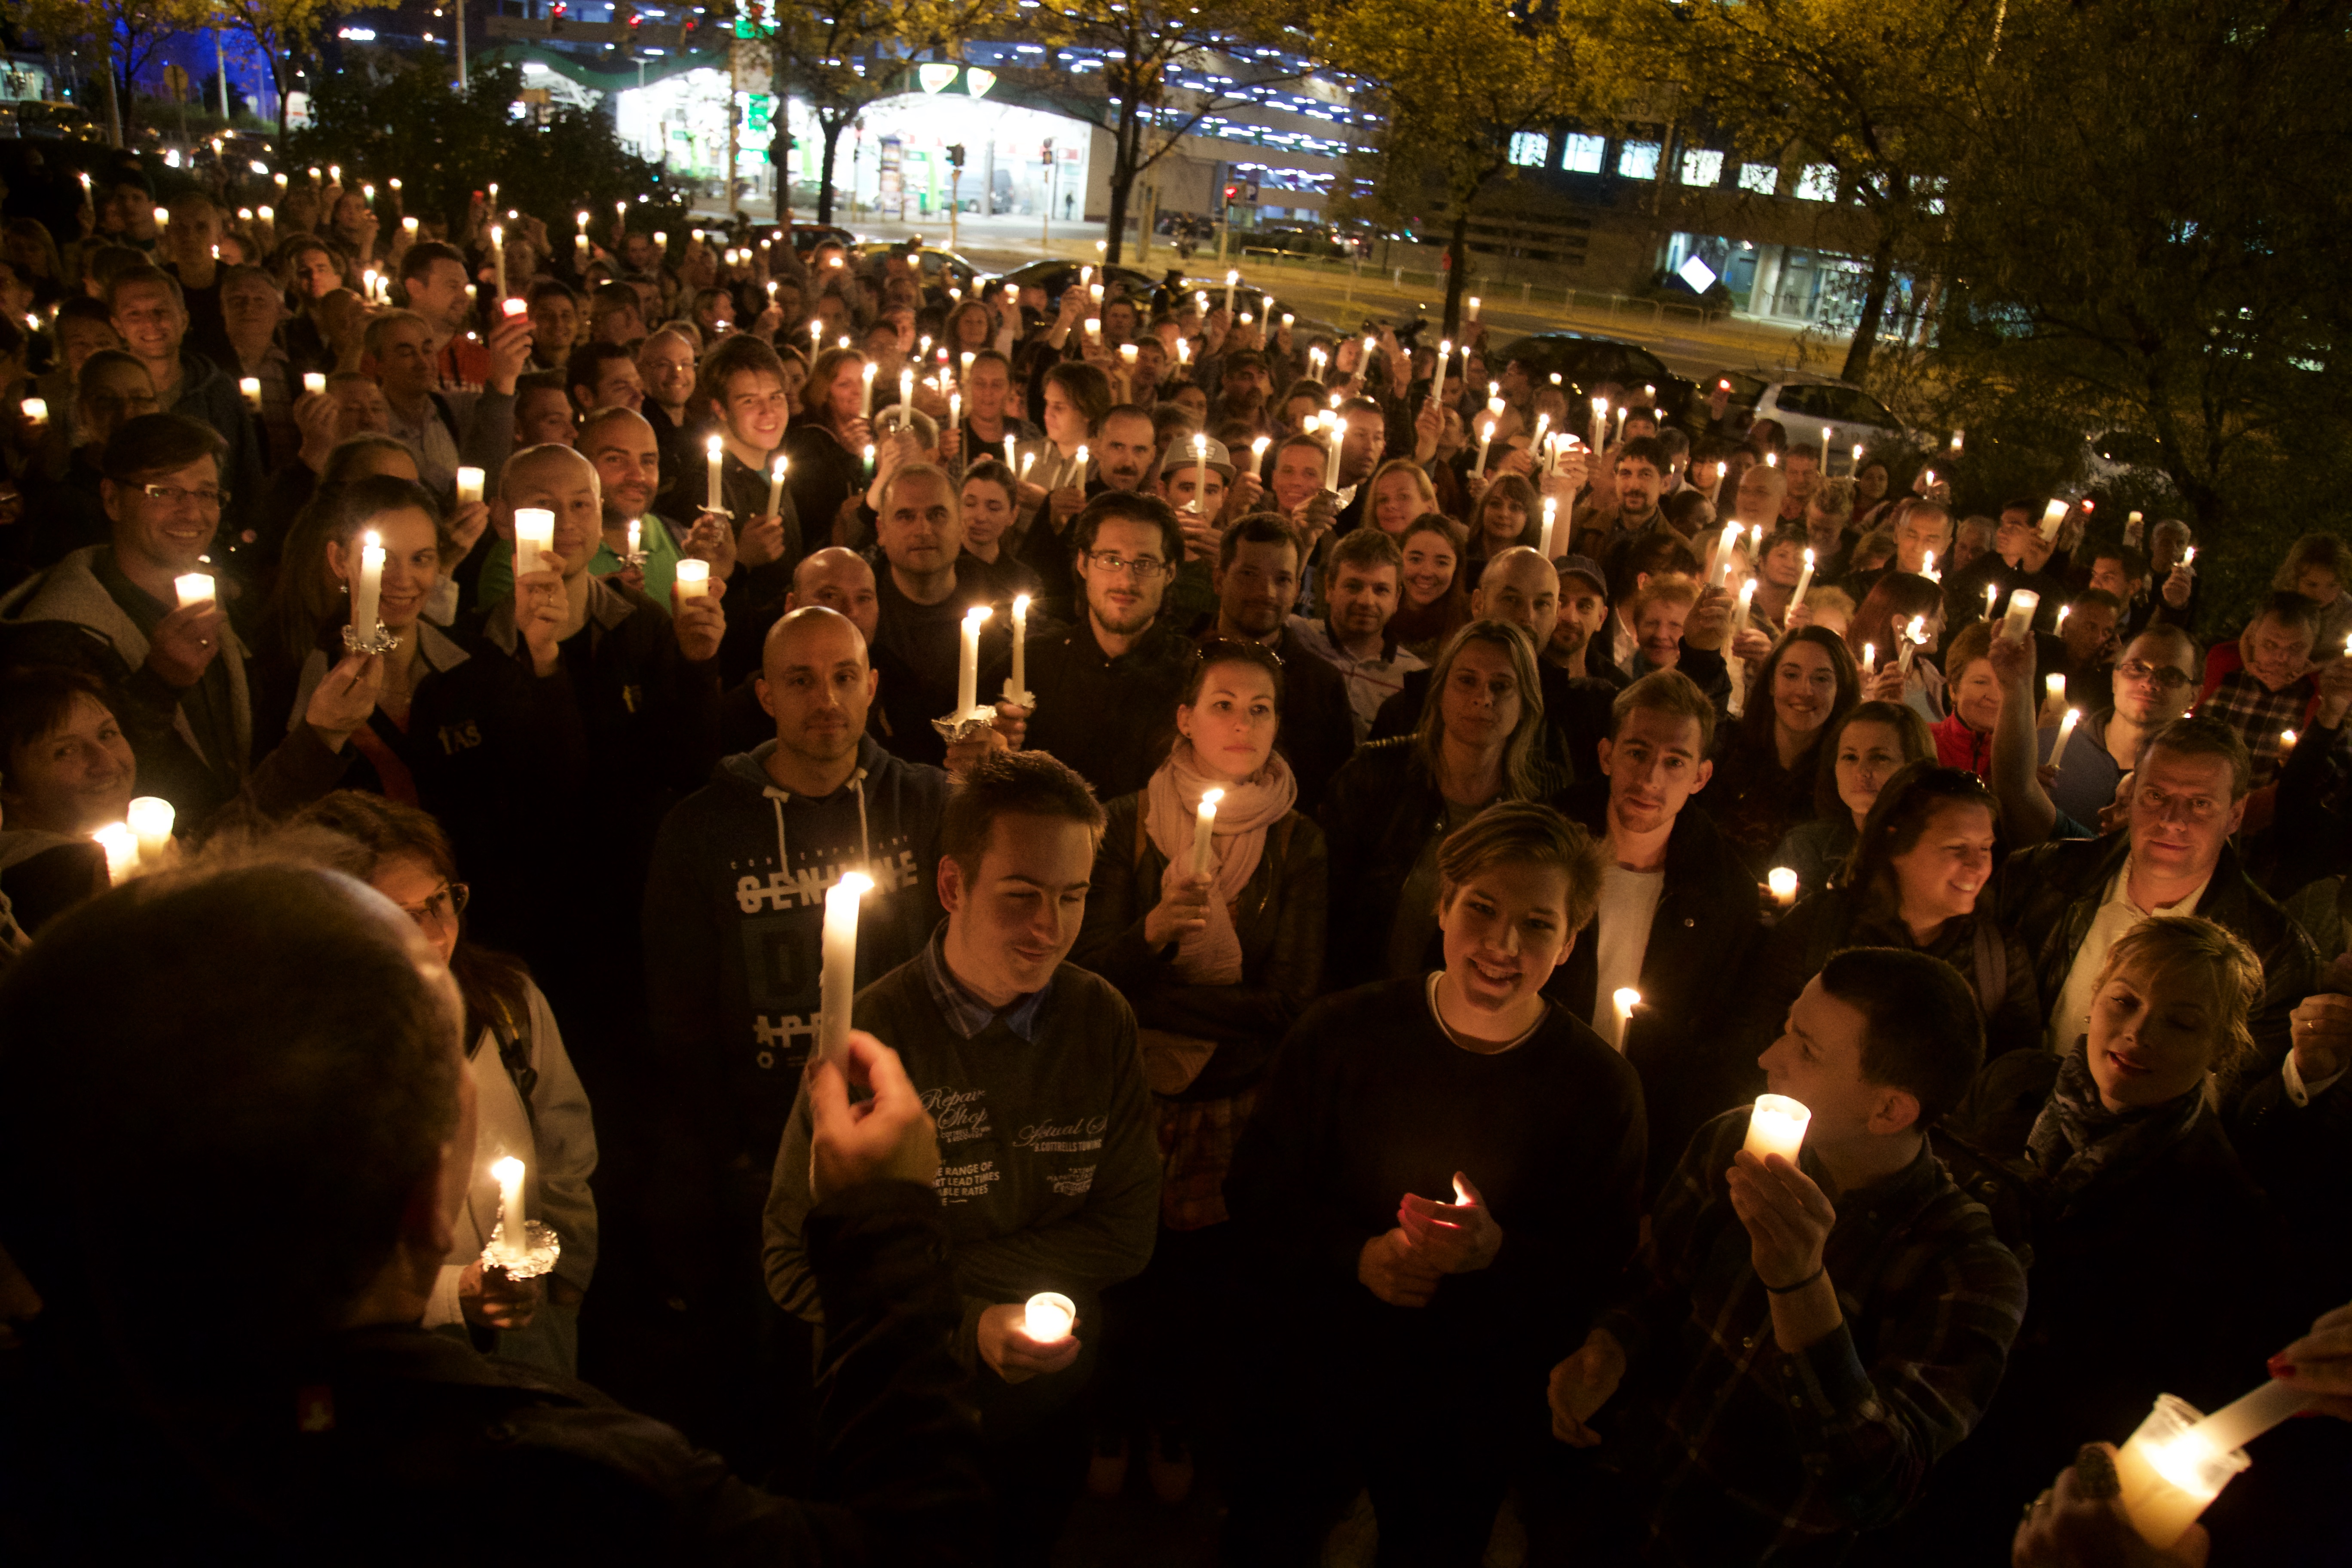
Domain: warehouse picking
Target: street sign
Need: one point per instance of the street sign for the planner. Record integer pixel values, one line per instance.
(175, 82)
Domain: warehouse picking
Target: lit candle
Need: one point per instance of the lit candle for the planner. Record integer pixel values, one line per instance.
(715, 449)
(1826, 432)
(1600, 422)
(1784, 883)
(499, 257)
(1020, 640)
(865, 406)
(1536, 442)
(906, 393)
(955, 413)
(368, 590)
(1804, 581)
(1335, 429)
(36, 409)
(2286, 745)
(1747, 605)
(2053, 516)
(150, 821)
(1049, 1318)
(1621, 1003)
(837, 981)
(2170, 1470)
(534, 536)
(1927, 569)
(1083, 463)
(2053, 694)
(1957, 436)
(968, 661)
(2019, 620)
(1437, 382)
(1258, 465)
(1913, 635)
(1992, 598)
(1474, 307)
(1230, 279)
(1551, 508)
(816, 337)
(693, 579)
(250, 386)
(1200, 473)
(1777, 1126)
(1870, 659)
(512, 1237)
(315, 382)
(1205, 828)
(121, 846)
(2188, 561)
(636, 537)
(195, 588)
(2066, 733)
(1724, 546)
(469, 486)
(776, 487)
(1485, 440)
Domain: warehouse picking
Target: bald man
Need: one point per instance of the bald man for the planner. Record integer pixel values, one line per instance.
(626, 452)
(734, 904)
(839, 580)
(628, 697)
(1521, 587)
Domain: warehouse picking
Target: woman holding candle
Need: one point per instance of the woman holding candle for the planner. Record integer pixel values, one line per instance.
(1074, 398)
(1860, 753)
(1916, 880)
(1767, 764)
(827, 446)
(1964, 740)
(2159, 1267)
(1881, 623)
(1432, 602)
(529, 1102)
(1218, 965)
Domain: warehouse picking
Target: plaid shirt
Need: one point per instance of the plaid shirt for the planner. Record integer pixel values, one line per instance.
(2258, 714)
(1751, 1454)
(966, 1013)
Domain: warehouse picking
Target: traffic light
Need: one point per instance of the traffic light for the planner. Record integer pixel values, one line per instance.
(686, 34)
(555, 17)
(1232, 193)
(955, 156)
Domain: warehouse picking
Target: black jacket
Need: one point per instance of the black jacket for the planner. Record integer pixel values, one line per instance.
(1380, 810)
(1109, 718)
(405, 1440)
(2050, 894)
(1692, 1067)
(1319, 726)
(1575, 716)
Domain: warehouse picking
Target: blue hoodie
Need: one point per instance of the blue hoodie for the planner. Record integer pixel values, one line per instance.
(734, 908)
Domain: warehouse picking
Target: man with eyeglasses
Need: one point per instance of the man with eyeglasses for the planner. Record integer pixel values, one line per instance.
(178, 670)
(2152, 685)
(1105, 688)
(2070, 900)
(2274, 686)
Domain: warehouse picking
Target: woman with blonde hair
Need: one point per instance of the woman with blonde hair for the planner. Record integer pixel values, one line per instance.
(1397, 494)
(1432, 602)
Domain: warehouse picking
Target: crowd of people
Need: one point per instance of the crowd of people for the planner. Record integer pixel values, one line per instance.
(1351, 833)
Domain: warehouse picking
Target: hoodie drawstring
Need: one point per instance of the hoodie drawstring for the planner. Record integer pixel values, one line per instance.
(777, 798)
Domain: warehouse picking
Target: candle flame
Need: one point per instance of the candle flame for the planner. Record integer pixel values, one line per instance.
(857, 882)
(1021, 604)
(782, 464)
(715, 446)
(371, 539)
(976, 615)
(508, 1170)
(1627, 999)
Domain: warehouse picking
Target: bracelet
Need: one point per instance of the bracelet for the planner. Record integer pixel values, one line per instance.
(1791, 1290)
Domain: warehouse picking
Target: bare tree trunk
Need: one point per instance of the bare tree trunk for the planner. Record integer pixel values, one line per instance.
(1457, 258)
(832, 129)
(1874, 310)
(1124, 139)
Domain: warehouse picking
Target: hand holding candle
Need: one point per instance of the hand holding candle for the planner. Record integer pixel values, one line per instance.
(1777, 1126)
(195, 588)
(1783, 884)
(1205, 828)
(534, 537)
(367, 589)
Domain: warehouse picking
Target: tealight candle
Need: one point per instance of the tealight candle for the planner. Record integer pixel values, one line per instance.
(534, 536)
(1782, 880)
(1777, 1126)
(469, 486)
(195, 588)
(2170, 1471)
(2019, 618)
(837, 981)
(249, 387)
(36, 409)
(1050, 1318)
(315, 382)
(1205, 827)
(150, 821)
(693, 579)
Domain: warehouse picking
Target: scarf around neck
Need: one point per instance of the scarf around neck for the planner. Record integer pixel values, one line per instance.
(1172, 802)
(2077, 1140)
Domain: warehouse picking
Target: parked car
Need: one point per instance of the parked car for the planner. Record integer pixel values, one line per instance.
(42, 120)
(807, 236)
(1250, 300)
(1582, 361)
(1052, 275)
(939, 265)
(1806, 407)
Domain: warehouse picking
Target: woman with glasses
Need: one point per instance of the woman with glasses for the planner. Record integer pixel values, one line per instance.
(1218, 963)
(527, 1101)
(1389, 810)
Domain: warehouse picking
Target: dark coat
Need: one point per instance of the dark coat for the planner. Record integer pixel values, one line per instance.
(1575, 716)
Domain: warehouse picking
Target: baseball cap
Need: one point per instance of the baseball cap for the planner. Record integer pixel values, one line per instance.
(1182, 453)
(1583, 566)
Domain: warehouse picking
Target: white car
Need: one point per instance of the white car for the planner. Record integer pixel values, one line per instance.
(1806, 406)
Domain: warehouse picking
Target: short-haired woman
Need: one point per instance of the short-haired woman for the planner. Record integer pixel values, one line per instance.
(1441, 1179)
(2159, 1267)
(1965, 739)
(1389, 809)
(1217, 963)
(1916, 880)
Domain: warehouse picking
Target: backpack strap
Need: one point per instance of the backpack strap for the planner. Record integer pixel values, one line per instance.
(512, 1034)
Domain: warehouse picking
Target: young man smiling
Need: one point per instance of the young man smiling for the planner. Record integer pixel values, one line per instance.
(1442, 1178)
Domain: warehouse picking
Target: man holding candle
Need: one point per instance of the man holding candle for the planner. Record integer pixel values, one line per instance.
(920, 604)
(434, 285)
(627, 454)
(2267, 684)
(742, 387)
(2019, 558)
(223, 1041)
(1438, 1182)
(1877, 1302)
(1051, 1167)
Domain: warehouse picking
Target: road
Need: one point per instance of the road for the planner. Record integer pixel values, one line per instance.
(1689, 346)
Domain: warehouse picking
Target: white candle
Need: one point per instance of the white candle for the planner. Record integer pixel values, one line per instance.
(837, 981)
(1600, 422)
(150, 821)
(906, 394)
(2286, 745)
(1551, 508)
(2188, 561)
(1485, 440)
(1747, 605)
(1474, 307)
(636, 536)
(314, 382)
(469, 486)
(512, 1237)
(1784, 883)
(1992, 598)
(2053, 516)
(2170, 1470)
(2019, 619)
(693, 579)
(1020, 642)
(866, 405)
(2053, 693)
(499, 257)
(1049, 1318)
(1621, 1003)
(1913, 635)
(1777, 1126)
(195, 588)
(1826, 432)
(368, 591)
(715, 449)
(1335, 430)
(776, 487)
(1927, 569)
(1869, 658)
(1437, 382)
(36, 409)
(121, 846)
(249, 387)
(955, 415)
(1201, 473)
(1230, 279)
(534, 536)
(1957, 436)
(1804, 581)
(1536, 442)
(2066, 733)
(1724, 546)
(968, 661)
(1205, 827)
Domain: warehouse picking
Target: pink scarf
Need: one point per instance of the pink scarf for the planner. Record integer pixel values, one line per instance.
(1212, 956)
